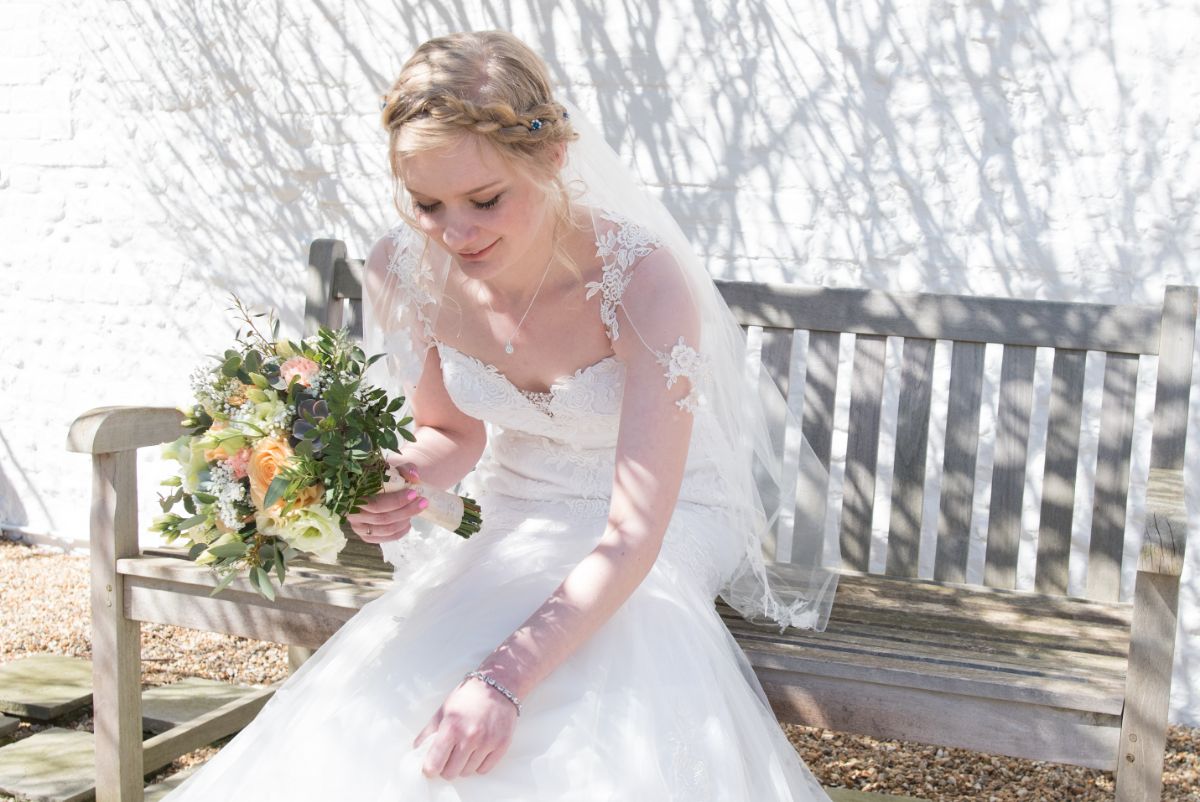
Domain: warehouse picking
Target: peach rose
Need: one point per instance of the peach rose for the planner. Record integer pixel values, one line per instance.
(268, 457)
(310, 495)
(299, 366)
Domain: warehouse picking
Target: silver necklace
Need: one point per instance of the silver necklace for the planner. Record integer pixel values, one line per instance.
(508, 346)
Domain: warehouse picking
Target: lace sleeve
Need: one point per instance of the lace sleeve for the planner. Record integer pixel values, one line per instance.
(644, 292)
(398, 296)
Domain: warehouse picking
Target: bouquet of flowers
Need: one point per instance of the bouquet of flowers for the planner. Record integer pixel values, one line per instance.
(284, 440)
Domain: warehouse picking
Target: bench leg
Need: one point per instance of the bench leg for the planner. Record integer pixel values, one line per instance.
(116, 641)
(1147, 688)
(297, 656)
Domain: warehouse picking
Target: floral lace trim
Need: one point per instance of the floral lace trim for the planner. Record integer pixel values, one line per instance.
(620, 248)
(413, 278)
(685, 362)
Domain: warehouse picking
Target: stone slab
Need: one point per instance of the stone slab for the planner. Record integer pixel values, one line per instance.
(55, 765)
(8, 726)
(159, 791)
(45, 686)
(168, 706)
(846, 795)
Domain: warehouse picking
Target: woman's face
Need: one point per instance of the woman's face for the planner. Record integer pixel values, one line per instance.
(487, 215)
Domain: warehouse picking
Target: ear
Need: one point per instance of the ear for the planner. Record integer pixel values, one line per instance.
(558, 155)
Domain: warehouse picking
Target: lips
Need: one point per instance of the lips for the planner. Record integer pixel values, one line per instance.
(470, 255)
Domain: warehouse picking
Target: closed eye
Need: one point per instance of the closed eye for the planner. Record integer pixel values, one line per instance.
(428, 208)
(488, 204)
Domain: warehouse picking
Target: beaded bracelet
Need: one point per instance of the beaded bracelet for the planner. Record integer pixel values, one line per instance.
(511, 696)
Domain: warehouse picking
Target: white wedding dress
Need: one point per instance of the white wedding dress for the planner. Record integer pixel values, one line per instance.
(660, 704)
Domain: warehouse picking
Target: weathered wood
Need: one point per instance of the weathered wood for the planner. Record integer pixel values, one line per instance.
(1165, 537)
(1112, 477)
(876, 663)
(116, 640)
(1174, 377)
(319, 310)
(191, 735)
(1148, 691)
(1008, 467)
(1062, 462)
(820, 391)
(958, 463)
(936, 716)
(908, 477)
(1091, 327)
(862, 452)
(106, 430)
(777, 356)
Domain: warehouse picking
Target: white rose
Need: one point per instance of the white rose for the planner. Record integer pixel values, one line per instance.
(313, 529)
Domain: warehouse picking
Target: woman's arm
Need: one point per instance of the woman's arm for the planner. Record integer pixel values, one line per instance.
(652, 447)
(448, 441)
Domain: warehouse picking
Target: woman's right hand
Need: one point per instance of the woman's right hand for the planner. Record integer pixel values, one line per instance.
(386, 516)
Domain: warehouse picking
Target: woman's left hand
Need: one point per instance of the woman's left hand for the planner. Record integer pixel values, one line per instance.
(471, 731)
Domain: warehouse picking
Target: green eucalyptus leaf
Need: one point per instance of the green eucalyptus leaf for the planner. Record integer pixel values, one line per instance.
(229, 550)
(275, 491)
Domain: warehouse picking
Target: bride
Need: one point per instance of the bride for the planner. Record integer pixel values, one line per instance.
(566, 356)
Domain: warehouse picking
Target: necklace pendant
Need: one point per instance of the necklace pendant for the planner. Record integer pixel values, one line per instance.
(508, 349)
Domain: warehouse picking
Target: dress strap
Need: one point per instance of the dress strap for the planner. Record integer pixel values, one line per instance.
(621, 247)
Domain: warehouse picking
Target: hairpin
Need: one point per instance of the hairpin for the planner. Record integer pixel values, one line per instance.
(536, 125)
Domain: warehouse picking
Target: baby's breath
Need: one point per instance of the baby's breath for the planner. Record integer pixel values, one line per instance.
(229, 491)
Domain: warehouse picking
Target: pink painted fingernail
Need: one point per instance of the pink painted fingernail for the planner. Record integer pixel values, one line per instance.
(423, 503)
(410, 495)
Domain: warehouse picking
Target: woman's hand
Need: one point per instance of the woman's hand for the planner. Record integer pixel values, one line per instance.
(386, 516)
(471, 731)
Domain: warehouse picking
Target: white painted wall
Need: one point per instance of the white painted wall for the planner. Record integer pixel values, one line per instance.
(156, 155)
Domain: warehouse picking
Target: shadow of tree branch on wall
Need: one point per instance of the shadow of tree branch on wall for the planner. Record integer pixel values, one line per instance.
(858, 144)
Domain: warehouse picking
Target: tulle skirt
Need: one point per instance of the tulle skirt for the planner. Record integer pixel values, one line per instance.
(659, 704)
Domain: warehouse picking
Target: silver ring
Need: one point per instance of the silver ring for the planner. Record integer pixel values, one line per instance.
(368, 530)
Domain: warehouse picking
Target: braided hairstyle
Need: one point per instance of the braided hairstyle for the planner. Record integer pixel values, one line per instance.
(487, 83)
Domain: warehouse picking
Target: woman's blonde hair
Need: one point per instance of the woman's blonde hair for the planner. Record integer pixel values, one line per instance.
(492, 85)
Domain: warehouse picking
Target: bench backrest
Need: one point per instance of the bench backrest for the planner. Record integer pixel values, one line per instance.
(800, 333)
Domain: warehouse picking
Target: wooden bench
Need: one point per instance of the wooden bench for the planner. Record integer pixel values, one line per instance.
(1077, 678)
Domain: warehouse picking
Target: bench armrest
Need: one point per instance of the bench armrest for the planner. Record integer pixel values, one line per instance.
(1166, 524)
(106, 430)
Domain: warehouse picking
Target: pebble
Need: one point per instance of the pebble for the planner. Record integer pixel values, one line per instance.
(44, 599)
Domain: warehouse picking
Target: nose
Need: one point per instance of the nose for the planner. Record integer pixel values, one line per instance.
(457, 233)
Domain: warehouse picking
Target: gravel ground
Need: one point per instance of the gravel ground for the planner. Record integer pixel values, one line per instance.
(44, 598)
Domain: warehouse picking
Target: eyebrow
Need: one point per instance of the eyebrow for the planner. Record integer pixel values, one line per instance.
(470, 192)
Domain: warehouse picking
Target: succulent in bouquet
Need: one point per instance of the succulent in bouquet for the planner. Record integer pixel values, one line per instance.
(285, 439)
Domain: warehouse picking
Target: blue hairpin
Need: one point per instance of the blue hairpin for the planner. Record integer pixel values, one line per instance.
(536, 125)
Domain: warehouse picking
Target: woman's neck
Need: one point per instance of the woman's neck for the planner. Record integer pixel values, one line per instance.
(514, 286)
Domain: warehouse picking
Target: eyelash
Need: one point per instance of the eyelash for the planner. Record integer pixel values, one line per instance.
(489, 204)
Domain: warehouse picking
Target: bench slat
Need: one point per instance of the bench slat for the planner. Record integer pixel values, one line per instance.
(862, 451)
(1106, 671)
(958, 471)
(908, 478)
(777, 356)
(820, 390)
(1057, 324)
(877, 664)
(1061, 466)
(1027, 730)
(1106, 653)
(1174, 377)
(1008, 470)
(1112, 477)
